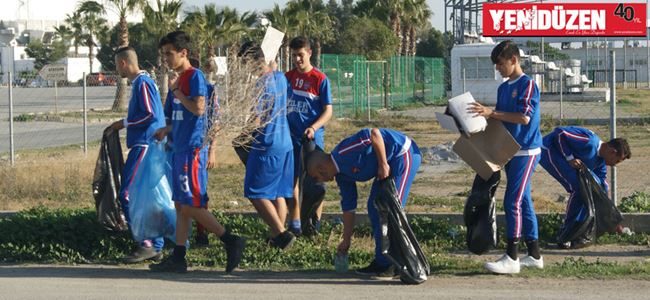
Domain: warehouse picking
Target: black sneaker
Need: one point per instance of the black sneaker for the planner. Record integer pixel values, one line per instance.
(141, 254)
(170, 265)
(296, 231)
(283, 240)
(565, 245)
(201, 241)
(234, 252)
(580, 243)
(375, 270)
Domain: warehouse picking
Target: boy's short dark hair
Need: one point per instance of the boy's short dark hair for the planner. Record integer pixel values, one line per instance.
(179, 39)
(119, 51)
(505, 50)
(300, 42)
(195, 62)
(250, 51)
(621, 146)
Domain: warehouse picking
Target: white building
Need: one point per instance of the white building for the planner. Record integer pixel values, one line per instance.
(480, 77)
(14, 59)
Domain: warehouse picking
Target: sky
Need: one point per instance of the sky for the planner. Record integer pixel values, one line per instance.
(57, 9)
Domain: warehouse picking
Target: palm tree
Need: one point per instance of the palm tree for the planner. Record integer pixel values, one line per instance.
(211, 27)
(395, 10)
(281, 20)
(390, 11)
(93, 24)
(77, 35)
(122, 8)
(159, 22)
(195, 25)
(416, 15)
(312, 21)
(64, 33)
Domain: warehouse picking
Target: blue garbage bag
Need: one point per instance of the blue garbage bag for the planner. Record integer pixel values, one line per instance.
(151, 207)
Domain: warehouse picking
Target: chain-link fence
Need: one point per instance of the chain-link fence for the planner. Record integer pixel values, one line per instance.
(360, 86)
(48, 114)
(572, 96)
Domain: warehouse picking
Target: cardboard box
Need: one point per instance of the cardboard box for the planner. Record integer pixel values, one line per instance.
(486, 151)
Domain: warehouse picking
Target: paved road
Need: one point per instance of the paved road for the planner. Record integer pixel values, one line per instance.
(35, 135)
(40, 100)
(110, 282)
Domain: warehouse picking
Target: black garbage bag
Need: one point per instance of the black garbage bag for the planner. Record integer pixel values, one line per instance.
(480, 214)
(312, 192)
(242, 151)
(582, 225)
(399, 244)
(106, 183)
(607, 216)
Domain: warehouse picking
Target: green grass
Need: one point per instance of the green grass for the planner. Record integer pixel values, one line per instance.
(70, 116)
(67, 236)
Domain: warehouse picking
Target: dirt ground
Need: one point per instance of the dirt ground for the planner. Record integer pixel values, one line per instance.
(111, 282)
(606, 253)
(451, 179)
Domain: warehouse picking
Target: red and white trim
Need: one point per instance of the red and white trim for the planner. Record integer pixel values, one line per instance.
(520, 195)
(528, 95)
(361, 143)
(405, 177)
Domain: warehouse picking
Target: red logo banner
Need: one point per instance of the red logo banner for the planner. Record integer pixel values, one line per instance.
(564, 19)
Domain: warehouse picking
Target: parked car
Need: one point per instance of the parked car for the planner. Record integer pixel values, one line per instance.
(101, 79)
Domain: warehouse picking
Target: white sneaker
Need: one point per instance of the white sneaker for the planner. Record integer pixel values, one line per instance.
(530, 262)
(505, 265)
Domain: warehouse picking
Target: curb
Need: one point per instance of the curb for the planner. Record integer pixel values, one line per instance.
(637, 222)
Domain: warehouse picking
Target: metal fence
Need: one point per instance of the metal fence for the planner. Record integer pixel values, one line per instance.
(360, 86)
(48, 114)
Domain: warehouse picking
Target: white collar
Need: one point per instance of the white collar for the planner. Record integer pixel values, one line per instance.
(513, 81)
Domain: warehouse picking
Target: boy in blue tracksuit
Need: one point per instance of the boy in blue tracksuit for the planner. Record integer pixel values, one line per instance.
(518, 108)
(309, 108)
(567, 149)
(370, 153)
(269, 168)
(144, 117)
(185, 111)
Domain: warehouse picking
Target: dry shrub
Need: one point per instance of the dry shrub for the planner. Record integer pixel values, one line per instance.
(244, 110)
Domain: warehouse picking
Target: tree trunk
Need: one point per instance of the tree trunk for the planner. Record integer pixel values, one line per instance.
(287, 57)
(162, 78)
(413, 37)
(397, 30)
(121, 103)
(317, 48)
(405, 41)
(211, 67)
(91, 54)
(123, 40)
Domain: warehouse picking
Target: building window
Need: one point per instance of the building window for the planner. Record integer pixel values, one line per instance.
(477, 67)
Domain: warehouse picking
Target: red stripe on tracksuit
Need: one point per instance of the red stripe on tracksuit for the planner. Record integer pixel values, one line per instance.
(405, 176)
(567, 182)
(520, 194)
(196, 188)
(529, 95)
(147, 105)
(135, 171)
